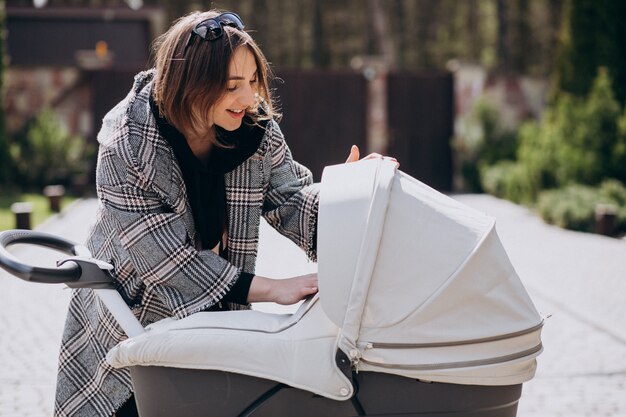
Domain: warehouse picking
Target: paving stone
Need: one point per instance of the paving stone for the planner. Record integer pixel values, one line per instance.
(579, 281)
(31, 321)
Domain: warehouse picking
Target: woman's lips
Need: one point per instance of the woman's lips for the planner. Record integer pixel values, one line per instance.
(236, 114)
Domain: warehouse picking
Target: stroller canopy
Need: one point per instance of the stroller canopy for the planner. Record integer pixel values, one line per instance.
(418, 283)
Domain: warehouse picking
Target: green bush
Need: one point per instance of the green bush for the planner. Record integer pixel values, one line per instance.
(481, 141)
(592, 35)
(509, 180)
(574, 206)
(577, 142)
(47, 154)
(618, 157)
(598, 135)
(571, 207)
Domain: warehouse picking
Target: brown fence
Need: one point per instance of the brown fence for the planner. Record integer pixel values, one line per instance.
(420, 116)
(107, 89)
(325, 112)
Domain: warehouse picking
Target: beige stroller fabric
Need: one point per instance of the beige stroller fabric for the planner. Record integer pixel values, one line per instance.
(418, 283)
(411, 283)
(297, 350)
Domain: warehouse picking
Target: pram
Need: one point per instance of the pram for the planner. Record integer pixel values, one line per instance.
(419, 313)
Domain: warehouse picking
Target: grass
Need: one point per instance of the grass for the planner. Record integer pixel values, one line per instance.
(41, 208)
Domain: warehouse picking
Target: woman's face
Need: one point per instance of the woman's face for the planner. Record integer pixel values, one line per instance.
(241, 91)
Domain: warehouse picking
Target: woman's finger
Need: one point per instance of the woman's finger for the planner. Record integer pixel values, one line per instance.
(354, 154)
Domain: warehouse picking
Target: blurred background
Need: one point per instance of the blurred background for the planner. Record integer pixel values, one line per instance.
(522, 99)
(519, 99)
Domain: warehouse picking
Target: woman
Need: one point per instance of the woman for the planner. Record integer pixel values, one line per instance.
(188, 162)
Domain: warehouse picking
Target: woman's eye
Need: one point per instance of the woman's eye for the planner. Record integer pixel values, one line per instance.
(231, 89)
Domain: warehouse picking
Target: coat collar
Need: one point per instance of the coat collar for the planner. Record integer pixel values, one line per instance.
(157, 165)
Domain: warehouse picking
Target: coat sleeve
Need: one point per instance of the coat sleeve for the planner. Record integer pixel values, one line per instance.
(156, 240)
(291, 201)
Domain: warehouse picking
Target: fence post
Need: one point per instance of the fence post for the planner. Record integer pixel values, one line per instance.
(375, 69)
(54, 193)
(606, 216)
(22, 211)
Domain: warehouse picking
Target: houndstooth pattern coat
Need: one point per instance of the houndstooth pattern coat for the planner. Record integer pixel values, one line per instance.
(144, 227)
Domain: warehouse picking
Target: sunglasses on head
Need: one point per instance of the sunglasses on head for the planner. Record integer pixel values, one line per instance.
(213, 28)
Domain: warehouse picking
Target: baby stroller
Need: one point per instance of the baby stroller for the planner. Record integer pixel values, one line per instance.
(419, 313)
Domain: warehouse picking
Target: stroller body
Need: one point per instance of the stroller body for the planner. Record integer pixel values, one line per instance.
(419, 313)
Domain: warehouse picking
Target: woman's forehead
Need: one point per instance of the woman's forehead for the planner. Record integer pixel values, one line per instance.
(242, 64)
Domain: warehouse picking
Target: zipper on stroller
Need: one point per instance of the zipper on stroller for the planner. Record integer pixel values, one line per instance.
(385, 345)
(462, 364)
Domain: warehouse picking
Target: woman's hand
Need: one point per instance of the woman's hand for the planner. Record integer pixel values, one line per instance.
(355, 154)
(282, 291)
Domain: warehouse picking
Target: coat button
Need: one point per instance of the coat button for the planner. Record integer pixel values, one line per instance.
(344, 392)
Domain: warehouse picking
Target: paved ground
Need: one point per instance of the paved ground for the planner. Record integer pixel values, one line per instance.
(31, 322)
(579, 280)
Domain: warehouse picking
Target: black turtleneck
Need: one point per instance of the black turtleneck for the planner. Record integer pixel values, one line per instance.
(205, 185)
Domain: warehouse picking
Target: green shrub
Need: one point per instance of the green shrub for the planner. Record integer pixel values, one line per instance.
(47, 154)
(592, 35)
(618, 157)
(577, 142)
(574, 206)
(598, 136)
(537, 153)
(509, 180)
(481, 141)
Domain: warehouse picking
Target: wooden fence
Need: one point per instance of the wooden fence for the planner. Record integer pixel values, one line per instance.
(325, 112)
(421, 118)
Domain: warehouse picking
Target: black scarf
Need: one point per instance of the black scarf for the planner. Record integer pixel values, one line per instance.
(205, 183)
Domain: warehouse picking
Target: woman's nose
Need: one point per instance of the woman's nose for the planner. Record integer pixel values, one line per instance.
(248, 96)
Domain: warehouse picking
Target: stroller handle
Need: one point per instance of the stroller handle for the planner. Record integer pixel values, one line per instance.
(68, 272)
(78, 271)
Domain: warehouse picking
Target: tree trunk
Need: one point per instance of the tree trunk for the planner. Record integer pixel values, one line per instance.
(504, 56)
(4, 144)
(320, 48)
(380, 29)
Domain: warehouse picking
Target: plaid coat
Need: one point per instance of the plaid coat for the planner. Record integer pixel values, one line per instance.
(145, 228)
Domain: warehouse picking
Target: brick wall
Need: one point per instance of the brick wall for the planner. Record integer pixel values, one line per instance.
(29, 90)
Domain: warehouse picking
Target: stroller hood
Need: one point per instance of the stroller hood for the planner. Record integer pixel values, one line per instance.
(418, 283)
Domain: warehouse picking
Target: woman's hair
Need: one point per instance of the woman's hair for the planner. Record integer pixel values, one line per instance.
(190, 79)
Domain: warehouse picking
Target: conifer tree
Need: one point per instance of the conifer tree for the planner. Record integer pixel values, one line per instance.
(593, 36)
(4, 145)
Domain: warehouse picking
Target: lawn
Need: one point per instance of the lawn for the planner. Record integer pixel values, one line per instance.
(41, 209)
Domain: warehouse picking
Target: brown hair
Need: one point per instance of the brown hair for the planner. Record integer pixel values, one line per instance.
(189, 82)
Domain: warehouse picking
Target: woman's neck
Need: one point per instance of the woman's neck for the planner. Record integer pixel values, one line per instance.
(200, 145)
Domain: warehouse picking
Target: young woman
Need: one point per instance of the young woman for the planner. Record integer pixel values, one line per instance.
(188, 163)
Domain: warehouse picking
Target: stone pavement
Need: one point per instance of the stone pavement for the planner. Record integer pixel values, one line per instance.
(578, 280)
(31, 321)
